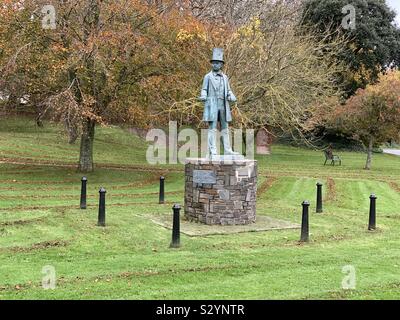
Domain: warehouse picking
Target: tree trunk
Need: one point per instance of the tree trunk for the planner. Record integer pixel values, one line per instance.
(90, 29)
(86, 152)
(369, 154)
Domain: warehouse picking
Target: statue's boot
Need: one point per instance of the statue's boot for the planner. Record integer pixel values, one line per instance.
(227, 145)
(212, 142)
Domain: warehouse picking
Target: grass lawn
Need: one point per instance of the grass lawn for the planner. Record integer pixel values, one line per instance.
(41, 224)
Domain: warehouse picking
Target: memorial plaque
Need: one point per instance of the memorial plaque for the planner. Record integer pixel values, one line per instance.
(204, 176)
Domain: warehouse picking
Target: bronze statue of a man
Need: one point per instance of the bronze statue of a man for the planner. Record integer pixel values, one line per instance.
(216, 94)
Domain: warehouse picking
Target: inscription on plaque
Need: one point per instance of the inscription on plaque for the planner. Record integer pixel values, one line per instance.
(204, 176)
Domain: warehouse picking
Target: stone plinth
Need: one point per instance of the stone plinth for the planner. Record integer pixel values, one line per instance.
(220, 191)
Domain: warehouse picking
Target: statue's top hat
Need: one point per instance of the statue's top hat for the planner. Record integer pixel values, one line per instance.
(218, 55)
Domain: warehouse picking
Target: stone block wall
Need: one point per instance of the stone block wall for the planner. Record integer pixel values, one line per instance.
(220, 192)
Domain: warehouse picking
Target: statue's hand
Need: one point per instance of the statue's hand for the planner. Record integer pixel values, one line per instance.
(203, 98)
(232, 98)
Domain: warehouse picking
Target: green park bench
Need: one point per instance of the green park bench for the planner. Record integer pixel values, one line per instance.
(332, 158)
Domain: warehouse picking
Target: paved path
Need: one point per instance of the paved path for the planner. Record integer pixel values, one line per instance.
(396, 152)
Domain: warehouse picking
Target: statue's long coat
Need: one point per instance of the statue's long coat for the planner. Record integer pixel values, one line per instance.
(211, 104)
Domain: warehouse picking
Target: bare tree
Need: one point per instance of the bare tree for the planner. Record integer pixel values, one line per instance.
(279, 74)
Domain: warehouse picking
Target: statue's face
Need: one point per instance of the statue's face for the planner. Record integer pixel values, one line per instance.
(217, 65)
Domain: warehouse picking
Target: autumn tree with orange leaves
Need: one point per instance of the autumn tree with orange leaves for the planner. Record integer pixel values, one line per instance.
(105, 61)
(372, 116)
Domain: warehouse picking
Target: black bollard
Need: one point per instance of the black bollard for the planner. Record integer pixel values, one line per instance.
(319, 198)
(304, 222)
(372, 213)
(176, 233)
(102, 208)
(162, 200)
(83, 193)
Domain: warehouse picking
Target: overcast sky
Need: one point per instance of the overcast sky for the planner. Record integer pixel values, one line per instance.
(395, 4)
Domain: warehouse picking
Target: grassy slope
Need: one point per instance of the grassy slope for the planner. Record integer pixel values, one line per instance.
(41, 225)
